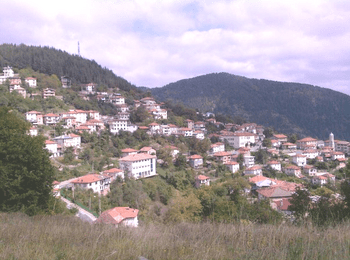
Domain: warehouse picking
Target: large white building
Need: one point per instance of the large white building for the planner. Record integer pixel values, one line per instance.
(139, 165)
(238, 140)
(116, 125)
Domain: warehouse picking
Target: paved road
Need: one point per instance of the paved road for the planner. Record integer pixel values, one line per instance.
(82, 213)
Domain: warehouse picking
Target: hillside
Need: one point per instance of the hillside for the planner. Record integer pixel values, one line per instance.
(288, 107)
(52, 61)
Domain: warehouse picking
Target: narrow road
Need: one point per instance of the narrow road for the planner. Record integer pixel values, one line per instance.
(82, 213)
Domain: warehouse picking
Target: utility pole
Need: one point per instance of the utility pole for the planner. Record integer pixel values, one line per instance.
(78, 49)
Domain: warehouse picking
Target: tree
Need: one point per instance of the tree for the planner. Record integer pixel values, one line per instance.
(25, 170)
(300, 203)
(139, 115)
(267, 142)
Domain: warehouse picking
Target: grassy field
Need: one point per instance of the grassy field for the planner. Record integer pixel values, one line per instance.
(63, 237)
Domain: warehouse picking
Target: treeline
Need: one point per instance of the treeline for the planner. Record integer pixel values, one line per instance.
(287, 107)
(52, 61)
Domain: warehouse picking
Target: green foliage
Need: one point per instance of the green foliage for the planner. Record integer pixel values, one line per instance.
(267, 142)
(51, 61)
(25, 170)
(185, 208)
(261, 156)
(139, 115)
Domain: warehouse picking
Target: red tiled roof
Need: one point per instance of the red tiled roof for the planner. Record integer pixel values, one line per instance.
(293, 167)
(146, 149)
(280, 136)
(274, 162)
(89, 178)
(113, 170)
(51, 114)
(231, 163)
(275, 191)
(219, 154)
(307, 139)
(195, 156)
(49, 142)
(128, 150)
(289, 144)
(258, 178)
(137, 157)
(202, 177)
(253, 168)
(117, 215)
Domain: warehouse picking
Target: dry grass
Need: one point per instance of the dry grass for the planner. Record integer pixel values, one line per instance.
(61, 237)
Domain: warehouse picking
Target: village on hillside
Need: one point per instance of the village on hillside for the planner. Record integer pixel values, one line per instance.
(274, 164)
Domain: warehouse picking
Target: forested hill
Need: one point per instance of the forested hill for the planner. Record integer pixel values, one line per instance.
(52, 61)
(288, 107)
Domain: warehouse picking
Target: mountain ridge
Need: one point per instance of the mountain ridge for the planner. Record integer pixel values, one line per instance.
(286, 106)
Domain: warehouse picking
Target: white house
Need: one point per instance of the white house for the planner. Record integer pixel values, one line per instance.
(49, 92)
(31, 82)
(114, 173)
(337, 155)
(117, 125)
(195, 160)
(299, 159)
(99, 183)
(248, 160)
(119, 216)
(117, 100)
(198, 134)
(255, 170)
(217, 147)
(51, 146)
(310, 170)
(275, 165)
(138, 166)
(33, 131)
(293, 170)
(310, 153)
(307, 143)
(32, 116)
(154, 128)
(238, 140)
(71, 140)
(232, 166)
(51, 119)
(187, 132)
(202, 180)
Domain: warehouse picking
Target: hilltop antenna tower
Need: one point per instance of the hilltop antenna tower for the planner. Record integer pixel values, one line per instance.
(78, 49)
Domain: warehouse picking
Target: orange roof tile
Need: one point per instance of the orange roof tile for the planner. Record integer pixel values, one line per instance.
(137, 157)
(117, 215)
(89, 178)
(195, 156)
(202, 177)
(128, 150)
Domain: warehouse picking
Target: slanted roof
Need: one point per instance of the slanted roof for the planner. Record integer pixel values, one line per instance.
(117, 215)
(202, 177)
(274, 192)
(137, 157)
(89, 178)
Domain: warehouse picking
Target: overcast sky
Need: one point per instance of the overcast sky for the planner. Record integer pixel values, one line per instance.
(153, 43)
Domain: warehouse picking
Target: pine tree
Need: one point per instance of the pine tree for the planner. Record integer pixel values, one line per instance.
(26, 173)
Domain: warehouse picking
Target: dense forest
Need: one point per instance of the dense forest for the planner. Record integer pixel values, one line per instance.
(50, 61)
(287, 107)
